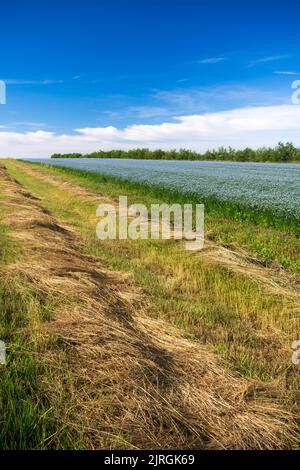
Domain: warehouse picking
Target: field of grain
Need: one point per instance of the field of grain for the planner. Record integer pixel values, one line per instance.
(271, 189)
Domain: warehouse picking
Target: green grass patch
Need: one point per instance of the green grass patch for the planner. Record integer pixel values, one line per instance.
(27, 418)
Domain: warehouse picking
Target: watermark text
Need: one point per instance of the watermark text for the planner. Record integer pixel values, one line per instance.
(296, 94)
(296, 353)
(2, 353)
(2, 92)
(162, 221)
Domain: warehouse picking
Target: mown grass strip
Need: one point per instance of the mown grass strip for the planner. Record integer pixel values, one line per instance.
(27, 419)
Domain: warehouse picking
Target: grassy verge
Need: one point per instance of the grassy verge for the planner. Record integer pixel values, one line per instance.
(248, 327)
(27, 417)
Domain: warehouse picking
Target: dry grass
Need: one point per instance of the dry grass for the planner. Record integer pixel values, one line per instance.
(275, 279)
(137, 382)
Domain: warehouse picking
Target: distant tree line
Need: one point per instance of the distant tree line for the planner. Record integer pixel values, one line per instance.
(283, 152)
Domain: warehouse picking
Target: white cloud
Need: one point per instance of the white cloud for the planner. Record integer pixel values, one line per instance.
(146, 112)
(211, 60)
(137, 112)
(14, 81)
(207, 99)
(241, 127)
(271, 58)
(285, 72)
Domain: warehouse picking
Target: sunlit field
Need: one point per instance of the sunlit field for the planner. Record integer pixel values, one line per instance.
(209, 321)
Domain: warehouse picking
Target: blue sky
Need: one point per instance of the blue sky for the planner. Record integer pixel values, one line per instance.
(137, 65)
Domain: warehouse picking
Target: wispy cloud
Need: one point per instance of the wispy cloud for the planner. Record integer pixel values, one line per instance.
(211, 60)
(16, 81)
(271, 58)
(138, 112)
(144, 112)
(36, 125)
(205, 99)
(23, 125)
(285, 72)
(165, 104)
